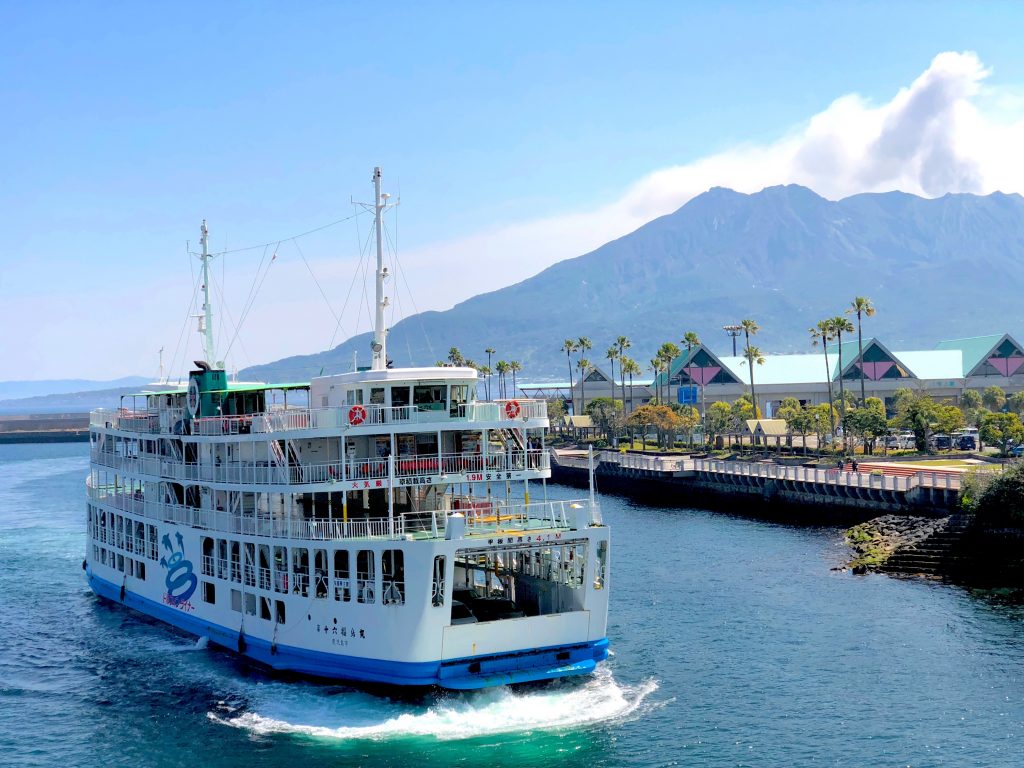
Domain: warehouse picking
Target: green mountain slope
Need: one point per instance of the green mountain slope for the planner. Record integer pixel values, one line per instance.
(942, 268)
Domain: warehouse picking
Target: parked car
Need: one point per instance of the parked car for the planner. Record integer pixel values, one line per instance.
(901, 441)
(1017, 451)
(965, 443)
(942, 442)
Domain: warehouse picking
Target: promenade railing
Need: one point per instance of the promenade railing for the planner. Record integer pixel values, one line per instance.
(835, 476)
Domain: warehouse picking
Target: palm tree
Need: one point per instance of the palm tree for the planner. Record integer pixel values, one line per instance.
(668, 352)
(656, 367)
(514, 366)
(585, 367)
(455, 357)
(629, 366)
(750, 328)
(753, 355)
(622, 344)
(569, 346)
(840, 325)
(861, 306)
(583, 346)
(489, 351)
(612, 355)
(485, 371)
(502, 369)
(691, 340)
(823, 332)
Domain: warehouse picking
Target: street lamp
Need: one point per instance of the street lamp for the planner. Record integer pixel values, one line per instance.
(734, 331)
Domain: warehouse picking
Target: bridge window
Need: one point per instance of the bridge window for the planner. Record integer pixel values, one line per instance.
(429, 397)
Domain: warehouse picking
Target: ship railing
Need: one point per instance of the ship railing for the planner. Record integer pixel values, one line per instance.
(352, 469)
(165, 420)
(226, 522)
(484, 516)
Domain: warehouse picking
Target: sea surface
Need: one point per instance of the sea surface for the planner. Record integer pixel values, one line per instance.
(734, 645)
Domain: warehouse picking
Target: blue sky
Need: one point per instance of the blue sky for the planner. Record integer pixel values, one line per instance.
(126, 124)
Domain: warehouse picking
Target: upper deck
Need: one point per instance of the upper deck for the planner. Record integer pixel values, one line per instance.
(363, 402)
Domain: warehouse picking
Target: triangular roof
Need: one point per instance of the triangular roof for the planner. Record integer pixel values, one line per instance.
(984, 355)
(878, 361)
(705, 365)
(579, 422)
(767, 426)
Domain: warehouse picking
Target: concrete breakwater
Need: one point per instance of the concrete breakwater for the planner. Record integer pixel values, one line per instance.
(793, 493)
(44, 428)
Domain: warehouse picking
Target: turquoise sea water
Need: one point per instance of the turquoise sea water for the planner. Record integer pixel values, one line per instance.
(734, 645)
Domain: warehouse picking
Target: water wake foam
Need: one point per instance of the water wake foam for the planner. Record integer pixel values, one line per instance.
(568, 704)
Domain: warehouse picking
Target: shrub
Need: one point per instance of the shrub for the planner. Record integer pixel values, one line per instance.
(995, 499)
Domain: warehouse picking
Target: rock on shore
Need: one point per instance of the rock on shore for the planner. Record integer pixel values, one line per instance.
(875, 541)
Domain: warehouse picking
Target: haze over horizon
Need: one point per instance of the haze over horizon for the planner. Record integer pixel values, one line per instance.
(512, 151)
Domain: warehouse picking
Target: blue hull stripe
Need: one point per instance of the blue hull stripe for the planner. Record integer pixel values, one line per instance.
(466, 673)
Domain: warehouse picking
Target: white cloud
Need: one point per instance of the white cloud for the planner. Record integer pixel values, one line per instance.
(942, 133)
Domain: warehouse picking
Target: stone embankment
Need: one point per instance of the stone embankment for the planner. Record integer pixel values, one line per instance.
(902, 544)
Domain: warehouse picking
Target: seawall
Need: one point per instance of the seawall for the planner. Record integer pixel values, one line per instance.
(793, 494)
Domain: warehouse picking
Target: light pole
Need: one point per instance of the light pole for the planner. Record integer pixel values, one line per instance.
(734, 331)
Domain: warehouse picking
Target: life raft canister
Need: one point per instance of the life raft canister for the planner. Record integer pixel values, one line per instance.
(512, 409)
(356, 415)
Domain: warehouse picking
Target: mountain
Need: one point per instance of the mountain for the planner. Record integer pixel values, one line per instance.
(935, 268)
(73, 402)
(36, 388)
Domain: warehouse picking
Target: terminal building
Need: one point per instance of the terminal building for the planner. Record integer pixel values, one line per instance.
(697, 375)
(944, 373)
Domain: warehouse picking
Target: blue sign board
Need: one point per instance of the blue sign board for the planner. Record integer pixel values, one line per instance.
(687, 395)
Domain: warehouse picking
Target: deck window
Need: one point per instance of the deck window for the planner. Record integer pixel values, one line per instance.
(250, 565)
(206, 545)
(300, 571)
(236, 565)
(250, 604)
(279, 611)
(602, 565)
(281, 569)
(365, 576)
(265, 608)
(209, 592)
(342, 576)
(392, 571)
(236, 600)
(437, 585)
(320, 573)
(222, 558)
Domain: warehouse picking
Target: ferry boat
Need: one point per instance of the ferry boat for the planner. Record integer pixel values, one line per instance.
(386, 526)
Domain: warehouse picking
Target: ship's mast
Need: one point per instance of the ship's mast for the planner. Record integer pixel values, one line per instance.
(379, 345)
(206, 326)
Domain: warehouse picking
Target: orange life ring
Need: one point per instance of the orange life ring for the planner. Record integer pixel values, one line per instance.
(356, 415)
(512, 409)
